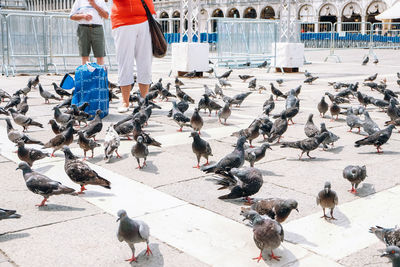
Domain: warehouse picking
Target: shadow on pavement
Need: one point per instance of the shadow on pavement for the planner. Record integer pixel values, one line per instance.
(11, 236)
(155, 260)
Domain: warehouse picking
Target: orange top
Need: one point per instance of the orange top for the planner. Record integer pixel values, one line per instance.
(128, 12)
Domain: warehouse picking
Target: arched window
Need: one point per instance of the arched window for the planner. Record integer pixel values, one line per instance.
(250, 13)
(233, 13)
(267, 13)
(164, 22)
(217, 13)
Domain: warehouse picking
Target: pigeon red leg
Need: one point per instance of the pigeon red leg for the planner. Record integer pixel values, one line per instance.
(249, 200)
(180, 130)
(206, 163)
(82, 189)
(272, 256)
(43, 203)
(197, 166)
(118, 156)
(353, 190)
(359, 129)
(199, 132)
(378, 150)
(131, 259)
(259, 257)
(148, 251)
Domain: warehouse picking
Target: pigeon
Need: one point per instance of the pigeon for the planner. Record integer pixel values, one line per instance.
(56, 128)
(234, 159)
(279, 81)
(178, 82)
(242, 182)
(65, 103)
(309, 128)
(369, 125)
(133, 231)
(276, 92)
(8, 214)
(190, 74)
(328, 199)
(269, 105)
(251, 132)
(337, 99)
(41, 184)
(209, 92)
(239, 98)
(310, 80)
(111, 143)
(61, 117)
(152, 95)
(47, 95)
(23, 106)
(365, 61)
(179, 117)
(263, 65)
(398, 82)
(244, 78)
(140, 151)
(371, 78)
(180, 94)
(334, 109)
(261, 88)
(331, 139)
(14, 136)
(377, 139)
(29, 155)
(224, 113)
(353, 121)
(196, 121)
(60, 140)
(14, 101)
(278, 128)
(80, 173)
(4, 112)
(389, 236)
(379, 103)
(59, 91)
(393, 111)
(290, 113)
(165, 93)
(79, 115)
(225, 75)
(182, 106)
(307, 145)
(3, 95)
(322, 107)
(363, 99)
(393, 253)
(147, 139)
(94, 127)
(307, 74)
(267, 234)
(211, 104)
(371, 85)
(252, 84)
(224, 83)
(265, 127)
(291, 99)
(355, 175)
(276, 208)
(218, 90)
(253, 155)
(23, 120)
(356, 110)
(86, 144)
(33, 81)
(200, 148)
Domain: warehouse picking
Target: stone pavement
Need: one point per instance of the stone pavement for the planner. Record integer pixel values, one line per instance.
(189, 225)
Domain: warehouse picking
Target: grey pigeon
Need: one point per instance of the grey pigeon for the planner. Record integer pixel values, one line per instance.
(23, 120)
(327, 199)
(337, 99)
(225, 75)
(33, 81)
(132, 232)
(251, 132)
(389, 236)
(80, 173)
(267, 234)
(224, 83)
(140, 151)
(310, 79)
(393, 253)
(183, 106)
(190, 74)
(334, 109)
(180, 94)
(86, 144)
(255, 154)
(8, 214)
(276, 208)
(200, 148)
(196, 121)
(353, 121)
(279, 81)
(291, 99)
(331, 139)
(307, 74)
(276, 92)
(290, 113)
(307, 145)
(65, 103)
(23, 106)
(269, 105)
(209, 92)
(263, 65)
(377, 139)
(29, 155)
(178, 82)
(94, 127)
(211, 104)
(244, 78)
(355, 175)
(59, 91)
(239, 98)
(14, 135)
(252, 84)
(111, 143)
(365, 61)
(322, 107)
(265, 127)
(3, 95)
(14, 101)
(309, 128)
(61, 117)
(47, 95)
(279, 127)
(242, 182)
(179, 117)
(41, 184)
(369, 125)
(56, 128)
(393, 111)
(125, 128)
(371, 78)
(65, 138)
(165, 93)
(224, 113)
(234, 159)
(218, 91)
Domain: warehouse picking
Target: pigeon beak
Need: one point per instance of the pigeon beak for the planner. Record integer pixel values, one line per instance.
(326, 190)
(117, 219)
(17, 168)
(297, 209)
(385, 254)
(270, 148)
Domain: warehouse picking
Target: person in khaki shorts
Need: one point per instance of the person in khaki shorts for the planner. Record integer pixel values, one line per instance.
(90, 14)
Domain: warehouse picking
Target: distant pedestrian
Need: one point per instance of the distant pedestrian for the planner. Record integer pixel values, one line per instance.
(133, 44)
(90, 14)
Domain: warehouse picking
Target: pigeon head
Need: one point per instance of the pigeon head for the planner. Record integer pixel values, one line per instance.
(121, 214)
(68, 154)
(323, 126)
(240, 142)
(391, 127)
(327, 187)
(392, 102)
(392, 252)
(194, 134)
(139, 139)
(249, 214)
(291, 204)
(310, 117)
(24, 167)
(20, 143)
(322, 137)
(266, 146)
(80, 134)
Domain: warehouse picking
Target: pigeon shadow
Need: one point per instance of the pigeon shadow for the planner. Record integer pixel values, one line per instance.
(335, 150)
(384, 153)
(287, 257)
(311, 160)
(11, 236)
(150, 167)
(268, 173)
(341, 219)
(298, 239)
(116, 159)
(56, 207)
(154, 260)
(45, 168)
(365, 190)
(155, 152)
(96, 194)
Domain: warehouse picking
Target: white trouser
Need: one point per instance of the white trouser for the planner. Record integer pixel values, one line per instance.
(133, 44)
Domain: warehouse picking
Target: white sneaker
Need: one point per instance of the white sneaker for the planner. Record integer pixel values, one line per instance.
(123, 109)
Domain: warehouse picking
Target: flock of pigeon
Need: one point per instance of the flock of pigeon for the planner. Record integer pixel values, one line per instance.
(265, 215)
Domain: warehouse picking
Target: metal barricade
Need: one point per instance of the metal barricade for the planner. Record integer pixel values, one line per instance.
(386, 35)
(316, 35)
(245, 42)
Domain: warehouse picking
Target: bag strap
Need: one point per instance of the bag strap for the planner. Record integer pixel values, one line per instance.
(146, 8)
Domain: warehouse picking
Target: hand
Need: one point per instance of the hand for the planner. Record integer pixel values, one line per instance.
(87, 17)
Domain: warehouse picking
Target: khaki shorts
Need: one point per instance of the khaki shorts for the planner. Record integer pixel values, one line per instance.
(91, 37)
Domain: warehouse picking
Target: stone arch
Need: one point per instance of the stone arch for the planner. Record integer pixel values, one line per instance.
(327, 13)
(250, 13)
(306, 15)
(351, 13)
(267, 13)
(374, 8)
(164, 21)
(217, 13)
(233, 13)
(176, 24)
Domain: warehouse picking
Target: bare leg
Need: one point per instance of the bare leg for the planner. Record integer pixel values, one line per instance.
(84, 60)
(144, 89)
(100, 60)
(126, 90)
